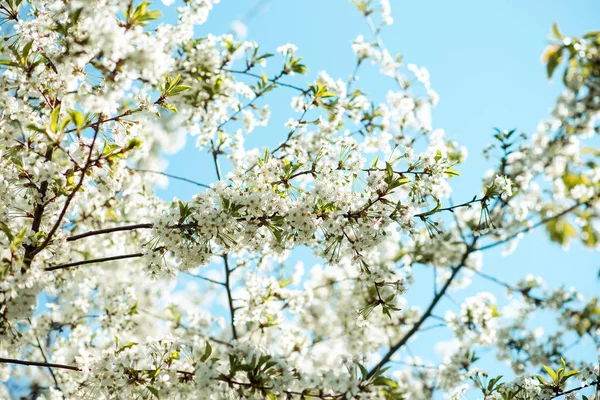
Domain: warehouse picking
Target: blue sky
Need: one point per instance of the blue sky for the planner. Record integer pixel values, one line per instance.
(484, 60)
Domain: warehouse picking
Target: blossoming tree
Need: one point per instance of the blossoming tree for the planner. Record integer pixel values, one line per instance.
(95, 300)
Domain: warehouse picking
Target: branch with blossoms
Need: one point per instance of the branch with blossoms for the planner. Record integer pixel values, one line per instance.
(93, 96)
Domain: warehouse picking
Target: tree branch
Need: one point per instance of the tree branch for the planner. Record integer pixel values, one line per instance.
(37, 364)
(72, 194)
(595, 383)
(93, 261)
(539, 223)
(206, 279)
(275, 81)
(229, 296)
(180, 178)
(427, 312)
(39, 345)
(109, 230)
(37, 216)
(222, 378)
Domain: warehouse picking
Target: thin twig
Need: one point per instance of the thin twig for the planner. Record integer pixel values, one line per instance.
(426, 314)
(539, 223)
(179, 178)
(229, 296)
(72, 194)
(93, 261)
(206, 279)
(37, 364)
(109, 230)
(46, 361)
(270, 80)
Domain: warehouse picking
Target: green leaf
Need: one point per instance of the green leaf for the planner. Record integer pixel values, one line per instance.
(389, 169)
(125, 346)
(20, 236)
(493, 382)
(27, 49)
(178, 89)
(154, 391)
(8, 62)
(170, 107)
(591, 35)
(36, 128)
(569, 374)
(375, 161)
(207, 352)
(285, 283)
(70, 177)
(556, 32)
(452, 172)
(554, 58)
(550, 372)
(133, 143)
(6, 231)
(77, 118)
(174, 82)
(363, 371)
(153, 373)
(383, 381)
(64, 123)
(54, 119)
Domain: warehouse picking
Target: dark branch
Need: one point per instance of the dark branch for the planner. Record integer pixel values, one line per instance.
(93, 261)
(537, 224)
(595, 383)
(426, 314)
(109, 230)
(275, 81)
(88, 163)
(180, 178)
(229, 296)
(37, 364)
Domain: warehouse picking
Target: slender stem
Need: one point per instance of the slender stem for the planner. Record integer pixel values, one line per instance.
(381, 45)
(452, 208)
(39, 345)
(207, 279)
(353, 77)
(594, 383)
(225, 257)
(72, 194)
(109, 230)
(215, 154)
(540, 222)
(101, 121)
(93, 261)
(506, 285)
(180, 178)
(251, 102)
(229, 296)
(219, 341)
(290, 134)
(275, 81)
(37, 215)
(228, 380)
(426, 314)
(222, 378)
(37, 364)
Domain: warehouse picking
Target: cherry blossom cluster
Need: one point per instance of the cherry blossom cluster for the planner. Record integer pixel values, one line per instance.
(289, 276)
